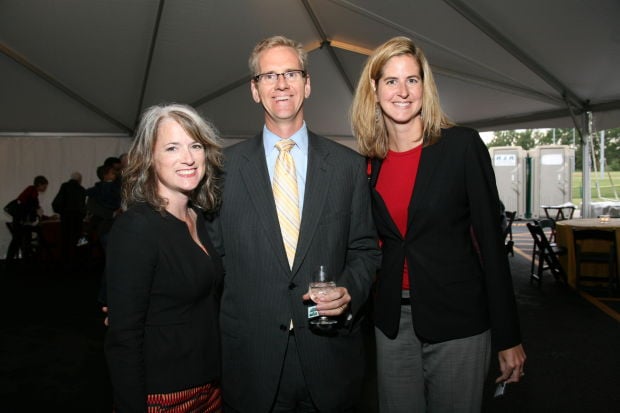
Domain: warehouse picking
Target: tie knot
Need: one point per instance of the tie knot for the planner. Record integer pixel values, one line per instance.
(285, 145)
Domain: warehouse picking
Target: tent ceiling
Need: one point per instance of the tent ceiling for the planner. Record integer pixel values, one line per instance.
(91, 66)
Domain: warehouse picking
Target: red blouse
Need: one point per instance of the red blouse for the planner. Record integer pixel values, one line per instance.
(395, 184)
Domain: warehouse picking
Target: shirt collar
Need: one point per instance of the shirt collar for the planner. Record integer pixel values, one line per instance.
(300, 137)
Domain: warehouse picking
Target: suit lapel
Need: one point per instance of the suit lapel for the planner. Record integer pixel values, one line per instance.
(256, 179)
(318, 182)
(427, 168)
(384, 213)
(429, 161)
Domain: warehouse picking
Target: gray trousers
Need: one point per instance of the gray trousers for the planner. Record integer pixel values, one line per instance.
(417, 377)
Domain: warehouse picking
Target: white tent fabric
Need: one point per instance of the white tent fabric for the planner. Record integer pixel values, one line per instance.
(93, 65)
(89, 67)
(21, 159)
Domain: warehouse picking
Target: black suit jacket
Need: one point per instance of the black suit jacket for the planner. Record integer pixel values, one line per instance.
(70, 199)
(457, 291)
(262, 294)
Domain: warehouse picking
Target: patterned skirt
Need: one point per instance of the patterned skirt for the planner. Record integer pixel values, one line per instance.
(201, 399)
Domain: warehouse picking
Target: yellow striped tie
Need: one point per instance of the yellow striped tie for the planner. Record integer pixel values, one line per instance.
(286, 196)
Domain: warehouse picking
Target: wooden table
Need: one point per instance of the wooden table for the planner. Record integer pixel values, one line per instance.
(564, 238)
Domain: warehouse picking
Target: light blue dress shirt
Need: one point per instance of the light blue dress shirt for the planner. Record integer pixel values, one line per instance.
(299, 152)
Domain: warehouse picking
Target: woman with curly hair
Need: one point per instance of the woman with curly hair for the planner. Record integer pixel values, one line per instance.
(163, 275)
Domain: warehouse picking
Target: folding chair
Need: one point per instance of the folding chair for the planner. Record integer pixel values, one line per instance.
(508, 242)
(545, 255)
(561, 212)
(548, 227)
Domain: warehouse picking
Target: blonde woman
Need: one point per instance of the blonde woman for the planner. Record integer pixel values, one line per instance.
(440, 301)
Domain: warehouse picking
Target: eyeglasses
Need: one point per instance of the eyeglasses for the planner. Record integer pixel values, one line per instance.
(272, 78)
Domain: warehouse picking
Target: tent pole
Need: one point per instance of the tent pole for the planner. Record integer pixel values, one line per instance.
(602, 161)
(585, 168)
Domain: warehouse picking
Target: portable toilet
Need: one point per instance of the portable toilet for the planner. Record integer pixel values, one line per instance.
(509, 164)
(552, 176)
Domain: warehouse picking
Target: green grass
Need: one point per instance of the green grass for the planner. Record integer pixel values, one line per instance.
(601, 188)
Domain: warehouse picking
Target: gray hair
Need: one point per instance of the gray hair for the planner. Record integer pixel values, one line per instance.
(76, 176)
(139, 178)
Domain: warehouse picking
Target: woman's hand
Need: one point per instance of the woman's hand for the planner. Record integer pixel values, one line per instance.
(511, 363)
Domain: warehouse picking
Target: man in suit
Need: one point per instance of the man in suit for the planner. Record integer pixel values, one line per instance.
(272, 360)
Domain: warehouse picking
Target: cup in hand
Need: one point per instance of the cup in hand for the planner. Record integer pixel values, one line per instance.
(320, 285)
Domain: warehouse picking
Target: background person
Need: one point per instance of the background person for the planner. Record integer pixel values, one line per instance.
(103, 205)
(70, 204)
(27, 215)
(272, 361)
(163, 275)
(438, 303)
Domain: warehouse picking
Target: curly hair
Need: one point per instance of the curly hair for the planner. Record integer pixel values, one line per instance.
(139, 177)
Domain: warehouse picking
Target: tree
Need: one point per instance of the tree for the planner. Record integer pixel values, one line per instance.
(531, 138)
(525, 138)
(612, 149)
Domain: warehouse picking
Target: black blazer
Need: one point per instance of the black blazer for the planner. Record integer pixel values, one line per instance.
(262, 294)
(456, 292)
(163, 295)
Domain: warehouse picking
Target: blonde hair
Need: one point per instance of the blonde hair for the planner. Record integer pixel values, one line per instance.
(276, 41)
(366, 118)
(139, 177)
